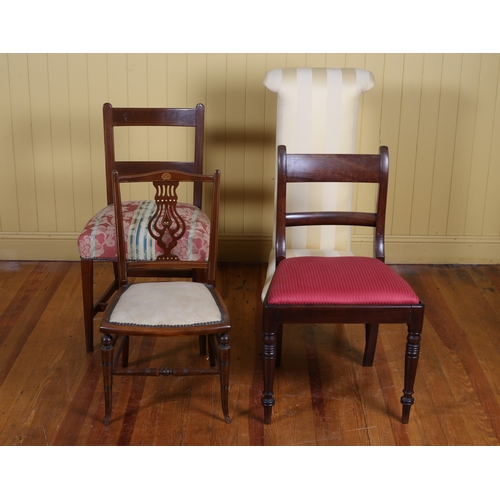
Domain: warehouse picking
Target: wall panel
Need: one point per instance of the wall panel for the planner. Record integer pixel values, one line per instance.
(42, 143)
(9, 210)
(480, 159)
(426, 144)
(80, 137)
(464, 139)
(439, 114)
(404, 176)
(442, 163)
(22, 143)
(492, 200)
(390, 121)
(98, 95)
(368, 136)
(235, 138)
(60, 125)
(254, 136)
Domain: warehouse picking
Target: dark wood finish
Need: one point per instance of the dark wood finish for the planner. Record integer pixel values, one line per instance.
(153, 117)
(51, 391)
(140, 117)
(116, 336)
(336, 168)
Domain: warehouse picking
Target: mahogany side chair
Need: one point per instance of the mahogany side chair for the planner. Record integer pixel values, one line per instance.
(97, 242)
(164, 308)
(342, 289)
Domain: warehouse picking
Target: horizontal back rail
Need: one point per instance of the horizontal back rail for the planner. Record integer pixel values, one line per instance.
(165, 117)
(332, 168)
(325, 168)
(127, 168)
(333, 218)
(166, 175)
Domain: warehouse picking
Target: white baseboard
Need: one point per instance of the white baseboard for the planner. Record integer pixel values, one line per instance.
(256, 247)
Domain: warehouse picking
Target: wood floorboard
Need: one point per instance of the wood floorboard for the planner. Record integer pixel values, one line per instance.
(51, 390)
(449, 313)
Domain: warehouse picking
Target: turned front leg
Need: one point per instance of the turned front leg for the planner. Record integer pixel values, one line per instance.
(269, 364)
(107, 371)
(87, 270)
(411, 362)
(224, 352)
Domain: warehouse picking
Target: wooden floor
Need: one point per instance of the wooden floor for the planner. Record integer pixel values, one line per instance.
(51, 390)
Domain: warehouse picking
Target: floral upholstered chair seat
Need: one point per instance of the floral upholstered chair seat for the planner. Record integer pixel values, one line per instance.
(98, 239)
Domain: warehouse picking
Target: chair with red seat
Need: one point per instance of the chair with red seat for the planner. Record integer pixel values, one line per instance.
(341, 289)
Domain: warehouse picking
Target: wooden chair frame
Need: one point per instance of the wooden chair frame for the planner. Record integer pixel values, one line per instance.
(218, 334)
(131, 117)
(336, 168)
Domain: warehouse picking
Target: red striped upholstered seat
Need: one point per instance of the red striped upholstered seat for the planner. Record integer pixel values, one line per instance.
(338, 280)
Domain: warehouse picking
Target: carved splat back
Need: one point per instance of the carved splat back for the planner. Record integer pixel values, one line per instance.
(167, 226)
(166, 218)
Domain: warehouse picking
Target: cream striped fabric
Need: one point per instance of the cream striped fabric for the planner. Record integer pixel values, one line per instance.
(317, 113)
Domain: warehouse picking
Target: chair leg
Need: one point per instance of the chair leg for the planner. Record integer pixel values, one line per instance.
(411, 363)
(203, 345)
(224, 351)
(269, 364)
(211, 352)
(371, 334)
(125, 351)
(200, 276)
(87, 270)
(279, 343)
(107, 372)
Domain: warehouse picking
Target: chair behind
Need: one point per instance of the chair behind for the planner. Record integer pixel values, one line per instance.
(153, 117)
(317, 112)
(97, 241)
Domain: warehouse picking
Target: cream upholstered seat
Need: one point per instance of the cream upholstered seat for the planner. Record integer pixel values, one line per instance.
(317, 113)
(189, 304)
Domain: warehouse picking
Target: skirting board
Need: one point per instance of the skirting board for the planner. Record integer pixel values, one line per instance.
(255, 248)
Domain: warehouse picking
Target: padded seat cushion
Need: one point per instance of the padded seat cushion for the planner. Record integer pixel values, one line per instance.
(98, 239)
(169, 303)
(338, 280)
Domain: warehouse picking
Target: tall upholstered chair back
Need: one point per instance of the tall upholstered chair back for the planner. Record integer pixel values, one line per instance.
(317, 112)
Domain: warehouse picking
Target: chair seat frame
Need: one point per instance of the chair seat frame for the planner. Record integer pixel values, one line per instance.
(275, 316)
(218, 349)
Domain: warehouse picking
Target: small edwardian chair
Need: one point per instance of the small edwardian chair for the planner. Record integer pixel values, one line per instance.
(164, 308)
(342, 289)
(97, 242)
(317, 111)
